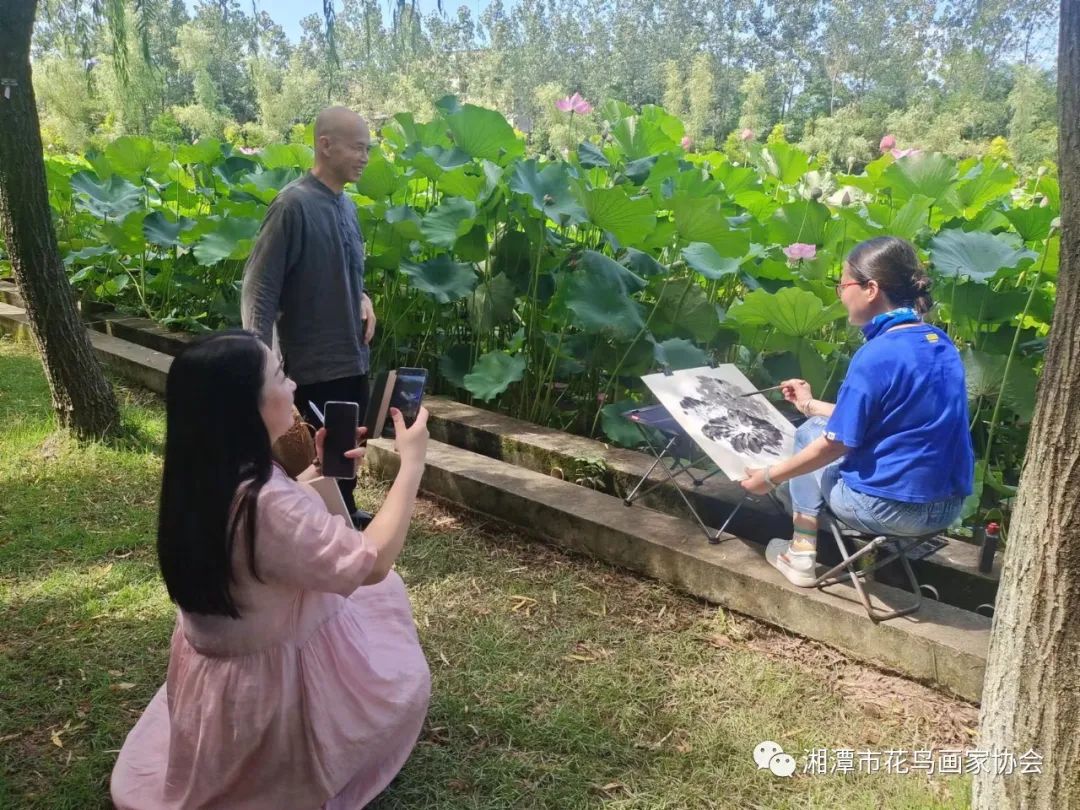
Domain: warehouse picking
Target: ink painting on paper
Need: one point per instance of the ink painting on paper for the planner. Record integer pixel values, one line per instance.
(735, 431)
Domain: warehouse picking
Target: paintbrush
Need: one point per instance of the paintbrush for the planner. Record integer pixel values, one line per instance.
(760, 391)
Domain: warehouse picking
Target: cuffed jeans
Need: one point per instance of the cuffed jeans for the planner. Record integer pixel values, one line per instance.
(812, 492)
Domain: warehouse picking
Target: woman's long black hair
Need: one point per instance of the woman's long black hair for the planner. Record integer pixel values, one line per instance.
(217, 458)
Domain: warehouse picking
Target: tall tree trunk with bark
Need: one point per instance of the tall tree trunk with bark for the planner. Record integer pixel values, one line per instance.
(82, 397)
(1031, 697)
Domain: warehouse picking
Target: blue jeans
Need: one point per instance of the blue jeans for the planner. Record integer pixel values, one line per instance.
(872, 514)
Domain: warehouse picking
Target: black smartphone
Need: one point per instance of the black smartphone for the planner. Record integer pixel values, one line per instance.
(407, 395)
(341, 419)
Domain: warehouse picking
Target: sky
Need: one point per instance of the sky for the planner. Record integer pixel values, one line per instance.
(288, 13)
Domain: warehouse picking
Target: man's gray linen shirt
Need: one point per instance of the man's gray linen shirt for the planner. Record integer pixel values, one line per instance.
(306, 274)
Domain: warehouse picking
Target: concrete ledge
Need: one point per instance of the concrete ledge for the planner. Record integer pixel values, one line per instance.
(942, 645)
(953, 570)
(135, 363)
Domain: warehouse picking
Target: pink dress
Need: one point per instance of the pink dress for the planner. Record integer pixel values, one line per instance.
(314, 698)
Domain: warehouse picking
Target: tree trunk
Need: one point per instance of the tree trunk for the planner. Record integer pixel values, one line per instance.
(82, 397)
(1031, 697)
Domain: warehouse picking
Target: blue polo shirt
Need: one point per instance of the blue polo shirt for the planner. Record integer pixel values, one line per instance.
(902, 412)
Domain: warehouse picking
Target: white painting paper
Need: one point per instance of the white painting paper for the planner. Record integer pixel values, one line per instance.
(735, 431)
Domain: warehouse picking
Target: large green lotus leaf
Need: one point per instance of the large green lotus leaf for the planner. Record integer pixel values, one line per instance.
(405, 222)
(406, 131)
(640, 170)
(736, 179)
(983, 183)
(772, 269)
(639, 136)
(549, 191)
(1033, 224)
(911, 218)
(132, 156)
(683, 310)
(670, 178)
(597, 265)
(629, 221)
(801, 221)
(114, 198)
(785, 162)
(473, 246)
(442, 278)
(455, 364)
(1050, 257)
(590, 156)
(493, 374)
(206, 151)
(452, 218)
(461, 182)
(380, 178)
(614, 110)
(231, 239)
(91, 253)
(679, 353)
(700, 219)
(484, 134)
(161, 230)
(985, 374)
(514, 255)
(760, 205)
(492, 303)
(126, 236)
(233, 168)
(975, 255)
(973, 304)
(602, 305)
(793, 312)
(704, 259)
(288, 156)
(265, 185)
(931, 175)
(643, 264)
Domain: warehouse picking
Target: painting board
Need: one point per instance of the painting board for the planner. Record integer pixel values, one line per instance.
(735, 431)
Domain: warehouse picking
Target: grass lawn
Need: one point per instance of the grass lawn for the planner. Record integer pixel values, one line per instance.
(558, 682)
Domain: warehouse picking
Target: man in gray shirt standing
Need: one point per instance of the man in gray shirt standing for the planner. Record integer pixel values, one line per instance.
(306, 275)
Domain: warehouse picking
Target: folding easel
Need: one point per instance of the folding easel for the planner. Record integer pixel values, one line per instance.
(684, 454)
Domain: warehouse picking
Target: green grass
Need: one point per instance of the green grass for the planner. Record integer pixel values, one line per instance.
(558, 682)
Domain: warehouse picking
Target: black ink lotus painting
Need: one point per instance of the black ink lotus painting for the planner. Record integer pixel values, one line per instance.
(735, 431)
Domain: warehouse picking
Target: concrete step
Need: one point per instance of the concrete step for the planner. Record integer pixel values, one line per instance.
(134, 363)
(941, 644)
(9, 294)
(952, 570)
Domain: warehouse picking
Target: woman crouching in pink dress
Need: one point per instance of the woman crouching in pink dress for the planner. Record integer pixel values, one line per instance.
(296, 678)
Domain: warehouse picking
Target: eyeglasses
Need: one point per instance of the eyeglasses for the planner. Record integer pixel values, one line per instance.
(840, 287)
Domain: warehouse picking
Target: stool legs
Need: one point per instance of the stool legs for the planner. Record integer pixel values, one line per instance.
(856, 577)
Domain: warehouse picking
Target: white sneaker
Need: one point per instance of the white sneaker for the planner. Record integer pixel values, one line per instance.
(799, 567)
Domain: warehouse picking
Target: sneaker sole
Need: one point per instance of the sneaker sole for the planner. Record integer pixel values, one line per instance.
(802, 579)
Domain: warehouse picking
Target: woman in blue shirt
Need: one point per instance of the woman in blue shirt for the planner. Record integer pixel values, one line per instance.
(893, 454)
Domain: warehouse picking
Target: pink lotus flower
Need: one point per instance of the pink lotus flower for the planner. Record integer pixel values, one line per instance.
(574, 104)
(247, 150)
(903, 153)
(687, 143)
(799, 251)
(887, 143)
(746, 135)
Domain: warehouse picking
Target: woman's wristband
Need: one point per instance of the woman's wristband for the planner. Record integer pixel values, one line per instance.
(768, 478)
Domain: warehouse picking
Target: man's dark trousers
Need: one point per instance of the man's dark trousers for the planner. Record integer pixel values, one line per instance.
(346, 389)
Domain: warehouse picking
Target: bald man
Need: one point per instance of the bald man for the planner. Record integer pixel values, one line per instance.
(306, 276)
